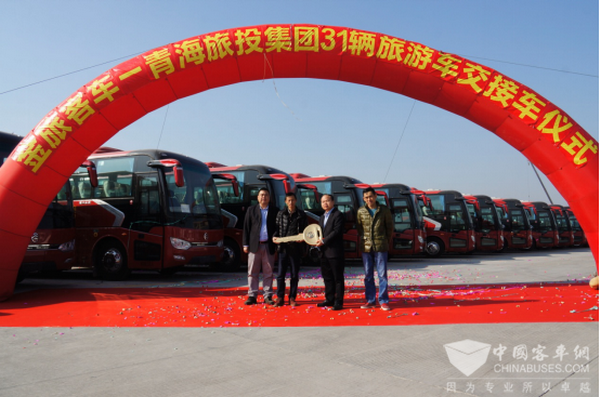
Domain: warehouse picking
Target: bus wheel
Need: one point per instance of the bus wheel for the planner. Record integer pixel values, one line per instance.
(434, 248)
(111, 261)
(232, 257)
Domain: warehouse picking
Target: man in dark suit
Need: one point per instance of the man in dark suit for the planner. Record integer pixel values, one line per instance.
(257, 239)
(332, 254)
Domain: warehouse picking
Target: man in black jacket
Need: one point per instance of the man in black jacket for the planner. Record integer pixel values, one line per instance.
(291, 221)
(332, 254)
(257, 239)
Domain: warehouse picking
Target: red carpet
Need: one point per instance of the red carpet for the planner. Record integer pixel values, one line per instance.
(215, 307)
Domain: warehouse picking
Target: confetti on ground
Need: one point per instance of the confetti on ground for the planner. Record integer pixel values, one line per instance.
(218, 306)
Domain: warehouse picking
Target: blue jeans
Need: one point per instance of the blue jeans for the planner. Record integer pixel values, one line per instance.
(370, 260)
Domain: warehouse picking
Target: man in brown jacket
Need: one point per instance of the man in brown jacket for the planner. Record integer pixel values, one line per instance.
(375, 227)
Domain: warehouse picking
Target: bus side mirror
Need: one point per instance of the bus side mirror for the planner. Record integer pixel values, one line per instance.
(91, 169)
(166, 163)
(231, 178)
(286, 186)
(179, 181)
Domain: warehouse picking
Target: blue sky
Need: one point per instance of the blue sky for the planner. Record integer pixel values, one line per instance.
(313, 126)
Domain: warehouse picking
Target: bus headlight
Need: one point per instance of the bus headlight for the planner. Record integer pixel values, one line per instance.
(68, 246)
(420, 239)
(180, 244)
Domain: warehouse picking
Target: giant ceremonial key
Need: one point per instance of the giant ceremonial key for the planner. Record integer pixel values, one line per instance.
(311, 234)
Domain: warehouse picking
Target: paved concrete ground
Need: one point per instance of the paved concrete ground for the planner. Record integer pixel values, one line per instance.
(562, 358)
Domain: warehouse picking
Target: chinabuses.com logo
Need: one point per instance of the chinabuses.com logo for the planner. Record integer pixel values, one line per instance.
(520, 367)
(467, 355)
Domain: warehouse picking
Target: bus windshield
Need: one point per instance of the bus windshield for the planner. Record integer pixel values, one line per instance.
(545, 220)
(126, 179)
(488, 221)
(517, 220)
(401, 213)
(198, 196)
(562, 222)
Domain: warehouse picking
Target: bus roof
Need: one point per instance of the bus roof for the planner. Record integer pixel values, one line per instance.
(155, 154)
(10, 138)
(262, 169)
(327, 178)
(453, 192)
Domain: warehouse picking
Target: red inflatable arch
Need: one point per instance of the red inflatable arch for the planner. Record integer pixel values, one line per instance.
(52, 151)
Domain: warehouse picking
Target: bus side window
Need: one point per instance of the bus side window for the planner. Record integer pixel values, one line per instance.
(85, 190)
(343, 203)
(149, 200)
(253, 194)
(308, 200)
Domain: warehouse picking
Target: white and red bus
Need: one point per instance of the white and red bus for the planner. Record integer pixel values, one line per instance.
(517, 228)
(579, 238)
(52, 245)
(409, 235)
(151, 210)
(566, 235)
(237, 188)
(488, 227)
(543, 224)
(448, 223)
(347, 197)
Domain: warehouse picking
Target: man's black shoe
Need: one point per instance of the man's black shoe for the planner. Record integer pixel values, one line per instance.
(269, 300)
(251, 301)
(325, 304)
(338, 306)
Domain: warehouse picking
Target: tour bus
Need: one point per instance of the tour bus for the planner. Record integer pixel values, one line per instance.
(151, 210)
(237, 189)
(517, 229)
(409, 227)
(566, 235)
(489, 234)
(448, 222)
(579, 238)
(347, 196)
(52, 245)
(543, 224)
